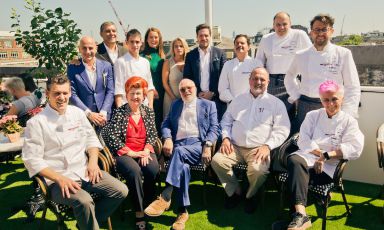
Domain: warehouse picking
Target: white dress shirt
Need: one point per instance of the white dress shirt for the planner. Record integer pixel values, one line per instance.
(329, 134)
(333, 63)
(205, 58)
(276, 53)
(112, 54)
(126, 67)
(59, 142)
(234, 78)
(188, 121)
(91, 73)
(251, 122)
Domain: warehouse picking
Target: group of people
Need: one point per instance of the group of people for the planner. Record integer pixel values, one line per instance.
(193, 99)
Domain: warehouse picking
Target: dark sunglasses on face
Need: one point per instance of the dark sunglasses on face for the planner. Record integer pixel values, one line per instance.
(184, 89)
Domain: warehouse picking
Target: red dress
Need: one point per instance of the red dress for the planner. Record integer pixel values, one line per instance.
(135, 137)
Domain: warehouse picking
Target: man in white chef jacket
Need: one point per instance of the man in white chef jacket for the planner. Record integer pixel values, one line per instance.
(323, 61)
(276, 52)
(61, 145)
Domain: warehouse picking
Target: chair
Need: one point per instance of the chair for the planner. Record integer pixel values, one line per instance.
(380, 154)
(201, 169)
(62, 211)
(321, 193)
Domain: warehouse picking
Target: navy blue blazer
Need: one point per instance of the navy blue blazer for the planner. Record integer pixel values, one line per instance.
(84, 95)
(206, 118)
(192, 68)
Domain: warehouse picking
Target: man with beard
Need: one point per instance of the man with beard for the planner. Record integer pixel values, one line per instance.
(92, 84)
(255, 123)
(318, 63)
(235, 74)
(203, 66)
(189, 130)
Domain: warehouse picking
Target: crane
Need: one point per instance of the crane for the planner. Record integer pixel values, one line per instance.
(118, 18)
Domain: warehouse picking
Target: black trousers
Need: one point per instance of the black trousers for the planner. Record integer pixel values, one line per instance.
(142, 193)
(300, 176)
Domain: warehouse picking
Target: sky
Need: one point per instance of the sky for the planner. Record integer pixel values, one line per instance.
(179, 17)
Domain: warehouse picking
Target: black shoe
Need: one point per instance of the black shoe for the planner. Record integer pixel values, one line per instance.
(299, 221)
(232, 201)
(250, 205)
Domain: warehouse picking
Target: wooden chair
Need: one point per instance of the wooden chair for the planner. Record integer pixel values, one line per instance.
(380, 154)
(321, 193)
(62, 211)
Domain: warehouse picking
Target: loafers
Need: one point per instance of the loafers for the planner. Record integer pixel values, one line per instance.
(180, 221)
(157, 207)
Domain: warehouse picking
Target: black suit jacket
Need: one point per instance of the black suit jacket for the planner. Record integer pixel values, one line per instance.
(102, 53)
(192, 68)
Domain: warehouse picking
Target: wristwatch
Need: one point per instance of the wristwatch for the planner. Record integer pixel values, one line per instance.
(208, 144)
(326, 155)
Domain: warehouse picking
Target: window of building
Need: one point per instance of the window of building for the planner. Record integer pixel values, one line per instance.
(8, 44)
(3, 54)
(14, 54)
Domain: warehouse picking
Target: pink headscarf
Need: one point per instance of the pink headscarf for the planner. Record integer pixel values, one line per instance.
(328, 86)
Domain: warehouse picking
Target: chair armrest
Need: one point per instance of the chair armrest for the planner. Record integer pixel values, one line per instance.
(338, 174)
(40, 181)
(103, 162)
(158, 147)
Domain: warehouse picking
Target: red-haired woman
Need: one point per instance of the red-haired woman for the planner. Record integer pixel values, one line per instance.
(130, 136)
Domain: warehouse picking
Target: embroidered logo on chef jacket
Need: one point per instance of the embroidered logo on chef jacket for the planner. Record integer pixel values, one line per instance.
(332, 66)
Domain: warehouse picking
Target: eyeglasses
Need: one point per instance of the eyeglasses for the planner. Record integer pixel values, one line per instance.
(324, 30)
(184, 89)
(328, 100)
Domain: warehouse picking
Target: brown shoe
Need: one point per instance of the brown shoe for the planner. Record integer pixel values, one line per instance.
(157, 207)
(180, 221)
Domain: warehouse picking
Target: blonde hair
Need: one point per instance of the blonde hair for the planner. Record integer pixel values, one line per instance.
(183, 42)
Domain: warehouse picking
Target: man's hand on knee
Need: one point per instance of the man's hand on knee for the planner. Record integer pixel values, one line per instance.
(67, 186)
(226, 147)
(261, 154)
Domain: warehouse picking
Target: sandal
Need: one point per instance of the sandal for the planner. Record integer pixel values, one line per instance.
(140, 223)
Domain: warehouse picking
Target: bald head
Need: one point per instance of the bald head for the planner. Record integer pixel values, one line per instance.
(187, 90)
(87, 49)
(258, 81)
(281, 23)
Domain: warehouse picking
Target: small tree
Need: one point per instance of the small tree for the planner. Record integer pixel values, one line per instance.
(52, 39)
(353, 39)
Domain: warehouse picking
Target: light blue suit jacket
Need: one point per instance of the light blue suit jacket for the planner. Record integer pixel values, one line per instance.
(206, 120)
(84, 95)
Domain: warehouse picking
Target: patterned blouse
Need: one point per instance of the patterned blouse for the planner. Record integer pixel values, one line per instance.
(114, 133)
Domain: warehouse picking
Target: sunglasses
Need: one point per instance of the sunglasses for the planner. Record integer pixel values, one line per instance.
(184, 89)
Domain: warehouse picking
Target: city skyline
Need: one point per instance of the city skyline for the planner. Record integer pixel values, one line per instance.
(178, 17)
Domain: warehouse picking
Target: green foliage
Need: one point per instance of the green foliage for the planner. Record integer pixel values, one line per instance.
(52, 38)
(353, 39)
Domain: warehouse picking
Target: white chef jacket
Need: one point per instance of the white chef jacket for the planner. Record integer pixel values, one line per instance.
(234, 78)
(276, 53)
(329, 134)
(251, 122)
(126, 67)
(59, 142)
(333, 63)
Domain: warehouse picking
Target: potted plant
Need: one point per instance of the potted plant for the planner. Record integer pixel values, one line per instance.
(10, 127)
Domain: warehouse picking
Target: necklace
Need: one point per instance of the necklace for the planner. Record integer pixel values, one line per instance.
(135, 113)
